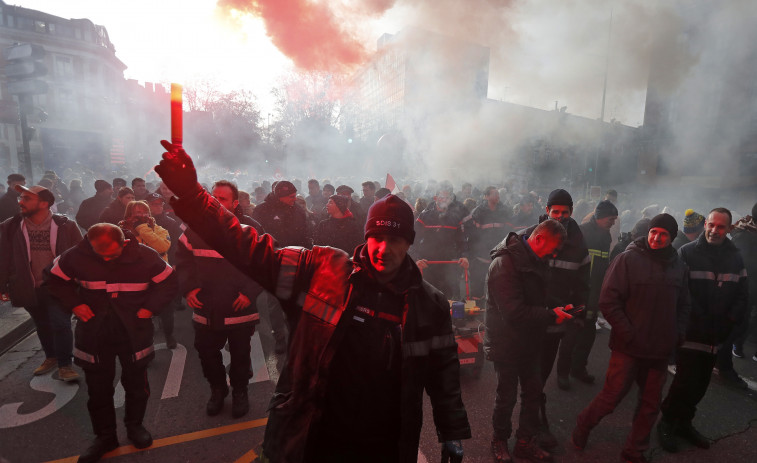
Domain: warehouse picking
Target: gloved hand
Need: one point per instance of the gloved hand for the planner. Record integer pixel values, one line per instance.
(452, 451)
(178, 171)
(561, 315)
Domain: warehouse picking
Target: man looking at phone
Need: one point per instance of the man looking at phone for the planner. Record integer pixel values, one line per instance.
(645, 298)
(516, 321)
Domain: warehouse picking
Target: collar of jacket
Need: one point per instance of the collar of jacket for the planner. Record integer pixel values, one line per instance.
(703, 245)
(640, 244)
(409, 277)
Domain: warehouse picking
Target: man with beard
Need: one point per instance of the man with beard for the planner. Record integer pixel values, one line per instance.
(567, 283)
(29, 242)
(440, 237)
(368, 334)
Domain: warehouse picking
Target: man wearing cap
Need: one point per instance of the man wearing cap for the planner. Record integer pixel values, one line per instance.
(359, 213)
(645, 298)
(91, 208)
(382, 334)
(567, 283)
(579, 338)
(341, 229)
(29, 241)
(9, 202)
(693, 226)
(282, 218)
(718, 287)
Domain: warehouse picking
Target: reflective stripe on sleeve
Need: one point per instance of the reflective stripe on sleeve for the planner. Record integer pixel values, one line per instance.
(322, 310)
(564, 264)
(700, 347)
(207, 253)
(199, 319)
(114, 287)
(703, 275)
(493, 225)
(143, 353)
(163, 275)
(80, 354)
(58, 272)
(243, 319)
(422, 348)
(289, 258)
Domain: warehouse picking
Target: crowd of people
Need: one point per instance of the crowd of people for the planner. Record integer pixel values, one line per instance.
(357, 285)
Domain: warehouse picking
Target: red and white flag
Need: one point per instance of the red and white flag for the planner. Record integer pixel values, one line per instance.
(390, 184)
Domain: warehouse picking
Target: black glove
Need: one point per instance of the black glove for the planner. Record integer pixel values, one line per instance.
(178, 171)
(452, 451)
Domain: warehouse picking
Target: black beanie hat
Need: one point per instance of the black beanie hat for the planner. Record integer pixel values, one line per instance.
(340, 201)
(640, 229)
(560, 197)
(102, 185)
(284, 188)
(605, 209)
(665, 221)
(391, 216)
(754, 210)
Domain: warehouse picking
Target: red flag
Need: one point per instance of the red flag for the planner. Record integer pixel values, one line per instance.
(390, 184)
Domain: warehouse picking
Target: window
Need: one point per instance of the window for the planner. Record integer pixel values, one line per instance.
(40, 27)
(63, 66)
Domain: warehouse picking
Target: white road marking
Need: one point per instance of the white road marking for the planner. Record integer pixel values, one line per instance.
(64, 392)
(173, 378)
(421, 457)
(259, 369)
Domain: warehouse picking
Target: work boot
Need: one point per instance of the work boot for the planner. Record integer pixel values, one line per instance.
(527, 448)
(46, 366)
(563, 382)
(580, 437)
(99, 447)
(139, 436)
(626, 457)
(215, 403)
(500, 452)
(666, 431)
(687, 430)
(583, 376)
(240, 403)
(67, 374)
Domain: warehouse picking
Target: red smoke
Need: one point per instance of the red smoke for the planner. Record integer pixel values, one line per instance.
(312, 33)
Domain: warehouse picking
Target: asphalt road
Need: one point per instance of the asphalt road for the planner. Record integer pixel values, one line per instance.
(42, 419)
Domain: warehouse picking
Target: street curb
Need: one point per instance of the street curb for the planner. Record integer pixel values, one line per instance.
(16, 334)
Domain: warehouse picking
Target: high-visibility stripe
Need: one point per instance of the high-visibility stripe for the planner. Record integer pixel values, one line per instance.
(700, 347)
(80, 354)
(290, 257)
(243, 319)
(57, 271)
(207, 253)
(114, 287)
(163, 275)
(143, 353)
(185, 241)
(493, 225)
(564, 264)
(382, 315)
(704, 275)
(322, 310)
(422, 348)
(599, 253)
(200, 319)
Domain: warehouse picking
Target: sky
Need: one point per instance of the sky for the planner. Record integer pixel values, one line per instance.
(537, 59)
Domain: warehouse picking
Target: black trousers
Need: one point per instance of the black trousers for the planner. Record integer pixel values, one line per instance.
(550, 345)
(99, 380)
(693, 373)
(209, 343)
(576, 346)
(509, 375)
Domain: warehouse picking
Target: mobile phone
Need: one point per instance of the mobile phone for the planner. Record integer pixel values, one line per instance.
(575, 310)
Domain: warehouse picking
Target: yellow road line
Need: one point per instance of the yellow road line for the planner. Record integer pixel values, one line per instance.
(182, 438)
(247, 457)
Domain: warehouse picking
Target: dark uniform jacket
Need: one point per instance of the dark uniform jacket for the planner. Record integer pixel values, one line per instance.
(113, 213)
(568, 276)
(9, 204)
(345, 233)
(138, 279)
(718, 287)
(90, 210)
(439, 235)
(598, 243)
(318, 289)
(645, 297)
(745, 240)
(287, 224)
(517, 315)
(486, 229)
(200, 266)
(15, 270)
